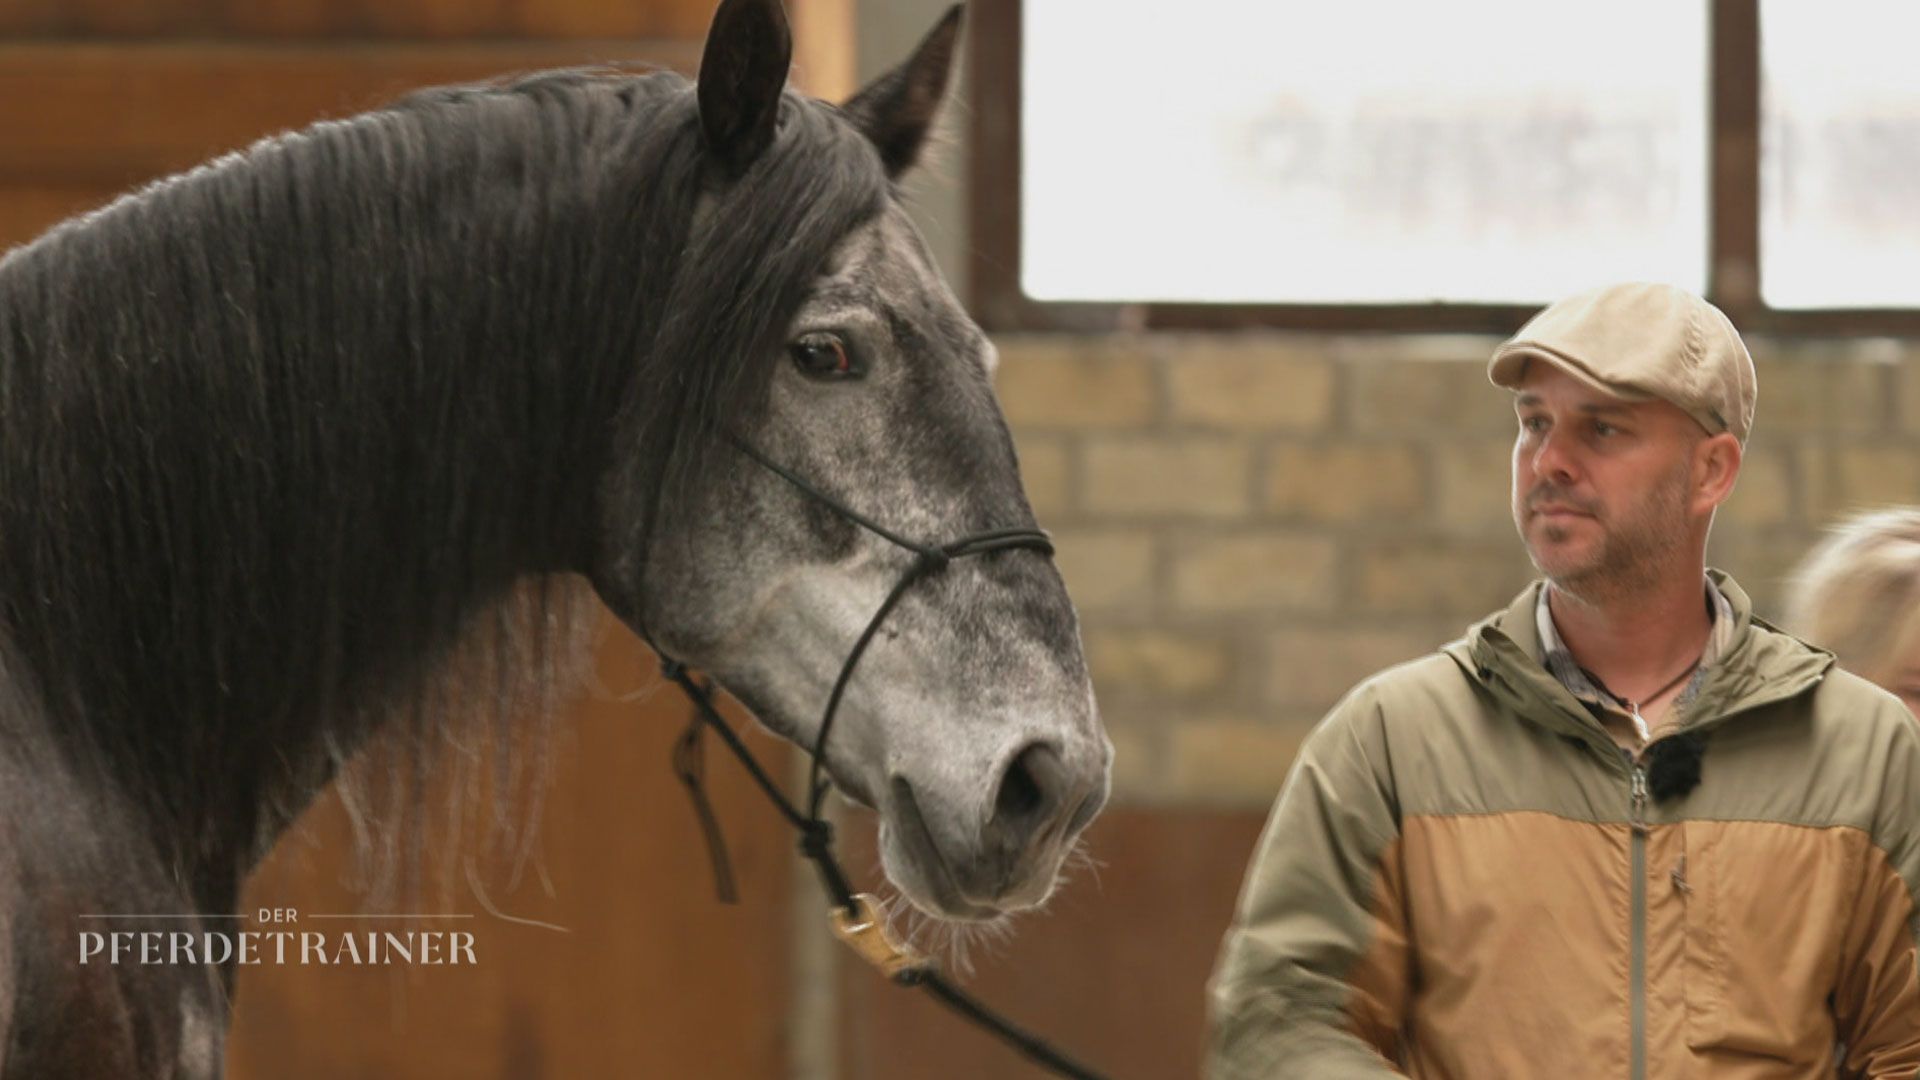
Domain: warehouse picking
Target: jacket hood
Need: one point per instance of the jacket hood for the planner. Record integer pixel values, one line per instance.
(1762, 665)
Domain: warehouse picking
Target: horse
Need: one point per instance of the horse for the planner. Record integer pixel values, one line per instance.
(289, 440)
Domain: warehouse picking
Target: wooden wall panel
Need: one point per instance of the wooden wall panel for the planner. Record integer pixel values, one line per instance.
(98, 114)
(1114, 971)
(28, 209)
(655, 979)
(434, 19)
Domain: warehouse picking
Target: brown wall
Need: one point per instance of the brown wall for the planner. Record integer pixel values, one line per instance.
(1110, 972)
(651, 977)
(97, 98)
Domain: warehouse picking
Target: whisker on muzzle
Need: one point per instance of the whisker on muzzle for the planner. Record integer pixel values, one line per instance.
(954, 943)
(1079, 858)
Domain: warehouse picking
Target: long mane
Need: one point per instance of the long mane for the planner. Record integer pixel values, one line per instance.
(290, 443)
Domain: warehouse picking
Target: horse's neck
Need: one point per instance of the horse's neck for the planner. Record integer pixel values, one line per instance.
(349, 440)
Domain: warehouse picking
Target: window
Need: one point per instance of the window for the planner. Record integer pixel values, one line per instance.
(1840, 154)
(1361, 152)
(1380, 165)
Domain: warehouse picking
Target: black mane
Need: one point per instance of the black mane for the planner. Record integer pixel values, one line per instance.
(279, 434)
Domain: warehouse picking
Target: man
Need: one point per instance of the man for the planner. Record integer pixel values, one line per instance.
(1623, 829)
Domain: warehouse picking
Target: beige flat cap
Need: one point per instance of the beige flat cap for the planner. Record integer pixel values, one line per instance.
(1638, 342)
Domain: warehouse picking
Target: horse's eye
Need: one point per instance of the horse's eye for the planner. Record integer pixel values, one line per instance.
(825, 356)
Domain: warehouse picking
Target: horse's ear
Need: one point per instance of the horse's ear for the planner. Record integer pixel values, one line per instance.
(897, 109)
(742, 74)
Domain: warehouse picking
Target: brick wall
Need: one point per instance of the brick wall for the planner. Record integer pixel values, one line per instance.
(1252, 523)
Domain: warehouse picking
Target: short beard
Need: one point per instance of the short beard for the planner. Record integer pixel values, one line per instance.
(1637, 552)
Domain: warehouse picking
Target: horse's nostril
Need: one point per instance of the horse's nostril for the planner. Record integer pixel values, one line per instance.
(1029, 791)
(1019, 792)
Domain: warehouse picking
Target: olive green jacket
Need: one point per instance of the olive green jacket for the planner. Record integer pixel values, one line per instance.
(1465, 878)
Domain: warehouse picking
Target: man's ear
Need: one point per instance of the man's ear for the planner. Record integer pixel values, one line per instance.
(742, 75)
(897, 110)
(1717, 461)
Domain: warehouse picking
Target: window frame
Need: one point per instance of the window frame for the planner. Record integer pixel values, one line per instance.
(1733, 218)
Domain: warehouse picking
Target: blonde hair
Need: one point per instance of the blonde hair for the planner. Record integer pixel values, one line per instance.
(1858, 592)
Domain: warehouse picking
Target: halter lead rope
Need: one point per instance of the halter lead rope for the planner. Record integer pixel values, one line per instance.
(857, 919)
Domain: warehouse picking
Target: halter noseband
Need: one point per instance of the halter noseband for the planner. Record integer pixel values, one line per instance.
(856, 917)
(929, 560)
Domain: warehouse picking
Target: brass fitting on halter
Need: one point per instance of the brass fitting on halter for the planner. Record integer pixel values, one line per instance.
(869, 935)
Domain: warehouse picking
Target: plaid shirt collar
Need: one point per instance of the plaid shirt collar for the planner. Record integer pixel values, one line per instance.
(1557, 659)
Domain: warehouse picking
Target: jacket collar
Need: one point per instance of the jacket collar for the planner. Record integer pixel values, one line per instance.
(1760, 666)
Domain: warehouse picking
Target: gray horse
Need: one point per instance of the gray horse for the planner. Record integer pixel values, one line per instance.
(287, 441)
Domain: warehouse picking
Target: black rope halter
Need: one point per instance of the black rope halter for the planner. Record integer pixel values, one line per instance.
(857, 919)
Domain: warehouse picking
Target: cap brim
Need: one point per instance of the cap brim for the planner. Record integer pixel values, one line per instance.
(1508, 368)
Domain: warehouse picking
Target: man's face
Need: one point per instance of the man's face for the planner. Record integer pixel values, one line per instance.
(1600, 485)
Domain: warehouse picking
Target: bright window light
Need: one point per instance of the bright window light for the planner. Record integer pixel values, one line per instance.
(1840, 154)
(1476, 151)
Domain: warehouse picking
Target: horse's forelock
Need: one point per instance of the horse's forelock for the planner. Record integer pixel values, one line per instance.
(729, 302)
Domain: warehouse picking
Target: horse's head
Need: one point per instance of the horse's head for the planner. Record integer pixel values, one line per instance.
(969, 723)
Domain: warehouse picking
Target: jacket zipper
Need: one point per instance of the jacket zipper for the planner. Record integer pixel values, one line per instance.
(1637, 989)
(1609, 750)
